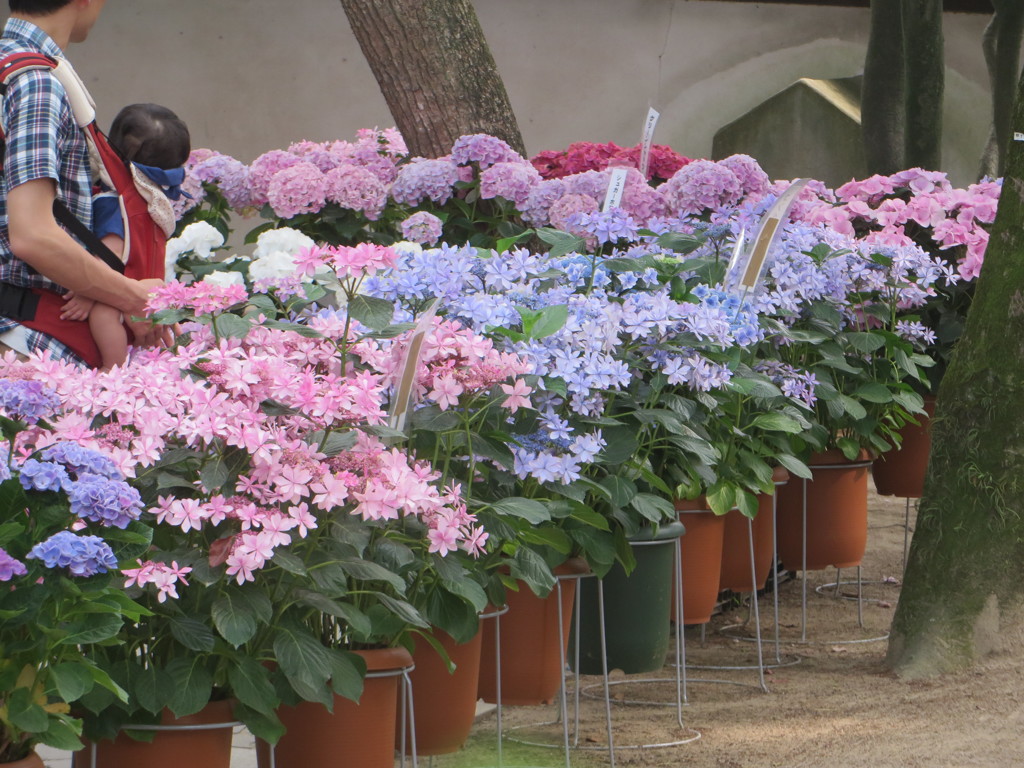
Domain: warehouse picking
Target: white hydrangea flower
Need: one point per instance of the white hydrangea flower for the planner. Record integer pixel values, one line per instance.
(224, 279)
(287, 240)
(272, 266)
(200, 238)
(407, 248)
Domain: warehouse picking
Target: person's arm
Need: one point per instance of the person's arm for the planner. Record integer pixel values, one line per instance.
(39, 241)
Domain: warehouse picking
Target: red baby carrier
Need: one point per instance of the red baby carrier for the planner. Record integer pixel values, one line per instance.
(145, 242)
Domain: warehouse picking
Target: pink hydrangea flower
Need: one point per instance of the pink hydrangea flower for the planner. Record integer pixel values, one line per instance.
(299, 188)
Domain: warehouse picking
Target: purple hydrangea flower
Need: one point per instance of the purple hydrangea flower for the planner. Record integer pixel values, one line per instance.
(38, 475)
(484, 150)
(512, 181)
(425, 179)
(300, 188)
(78, 459)
(27, 400)
(10, 567)
(542, 196)
(701, 185)
(112, 503)
(753, 179)
(231, 176)
(422, 227)
(264, 168)
(356, 188)
(81, 555)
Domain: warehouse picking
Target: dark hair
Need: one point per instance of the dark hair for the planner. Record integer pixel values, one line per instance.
(37, 7)
(151, 135)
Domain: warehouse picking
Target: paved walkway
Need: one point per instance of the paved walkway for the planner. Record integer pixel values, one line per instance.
(243, 753)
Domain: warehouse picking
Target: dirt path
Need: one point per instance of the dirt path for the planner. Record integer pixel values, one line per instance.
(838, 706)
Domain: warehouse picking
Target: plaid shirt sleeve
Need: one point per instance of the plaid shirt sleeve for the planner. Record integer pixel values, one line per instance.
(32, 120)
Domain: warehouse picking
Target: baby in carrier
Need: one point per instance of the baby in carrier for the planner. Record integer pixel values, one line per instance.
(156, 141)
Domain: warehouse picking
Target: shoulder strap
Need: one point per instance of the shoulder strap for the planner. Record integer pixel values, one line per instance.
(82, 106)
(88, 238)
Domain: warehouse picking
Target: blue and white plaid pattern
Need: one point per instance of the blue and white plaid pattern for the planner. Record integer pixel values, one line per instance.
(28, 342)
(42, 141)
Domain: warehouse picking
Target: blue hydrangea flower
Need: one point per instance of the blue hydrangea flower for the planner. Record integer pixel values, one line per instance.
(81, 555)
(38, 475)
(10, 567)
(27, 400)
(108, 502)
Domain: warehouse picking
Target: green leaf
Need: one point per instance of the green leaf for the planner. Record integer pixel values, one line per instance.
(452, 614)
(92, 628)
(233, 618)
(214, 475)
(24, 713)
(794, 465)
(561, 242)
(622, 489)
(250, 683)
(63, 735)
(531, 568)
(372, 312)
(657, 509)
(192, 633)
(551, 320)
(777, 422)
(347, 673)
(192, 683)
(230, 326)
(722, 498)
(152, 688)
(873, 392)
(850, 406)
(532, 511)
(304, 661)
(290, 562)
(357, 620)
(368, 571)
(865, 341)
(72, 680)
(403, 610)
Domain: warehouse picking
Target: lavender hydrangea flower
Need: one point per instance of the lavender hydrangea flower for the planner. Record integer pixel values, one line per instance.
(512, 181)
(300, 188)
(424, 179)
(27, 400)
(542, 196)
(231, 177)
(81, 555)
(753, 180)
(112, 503)
(484, 150)
(702, 185)
(10, 567)
(79, 459)
(422, 227)
(38, 475)
(606, 226)
(264, 168)
(356, 188)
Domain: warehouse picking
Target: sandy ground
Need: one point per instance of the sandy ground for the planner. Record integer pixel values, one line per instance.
(837, 705)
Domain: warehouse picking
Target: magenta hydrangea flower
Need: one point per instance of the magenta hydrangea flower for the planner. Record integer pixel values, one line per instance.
(510, 180)
(425, 179)
(422, 227)
(351, 186)
(265, 167)
(300, 188)
(753, 179)
(484, 150)
(702, 185)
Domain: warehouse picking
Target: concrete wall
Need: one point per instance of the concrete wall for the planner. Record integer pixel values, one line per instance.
(254, 75)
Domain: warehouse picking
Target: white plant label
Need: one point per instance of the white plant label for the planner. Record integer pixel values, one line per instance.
(1018, 136)
(616, 186)
(648, 139)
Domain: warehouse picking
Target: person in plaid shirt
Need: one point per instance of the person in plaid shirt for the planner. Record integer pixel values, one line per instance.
(46, 158)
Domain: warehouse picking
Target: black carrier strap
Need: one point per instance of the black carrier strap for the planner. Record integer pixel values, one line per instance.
(88, 238)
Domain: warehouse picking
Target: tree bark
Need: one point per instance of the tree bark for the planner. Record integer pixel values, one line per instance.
(925, 73)
(1001, 45)
(964, 585)
(435, 70)
(882, 91)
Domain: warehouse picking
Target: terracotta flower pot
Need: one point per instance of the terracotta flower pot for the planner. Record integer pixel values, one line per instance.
(531, 670)
(900, 472)
(837, 514)
(31, 761)
(354, 735)
(204, 748)
(444, 702)
(702, 559)
(735, 574)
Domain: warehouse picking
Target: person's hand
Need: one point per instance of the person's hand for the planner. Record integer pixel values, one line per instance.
(148, 334)
(76, 307)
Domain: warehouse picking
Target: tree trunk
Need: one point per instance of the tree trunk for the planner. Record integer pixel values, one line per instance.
(1001, 45)
(882, 109)
(435, 70)
(925, 70)
(964, 584)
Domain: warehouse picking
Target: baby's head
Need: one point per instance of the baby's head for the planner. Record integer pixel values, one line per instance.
(151, 135)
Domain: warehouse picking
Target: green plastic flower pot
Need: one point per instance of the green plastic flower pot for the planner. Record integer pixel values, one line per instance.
(637, 608)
